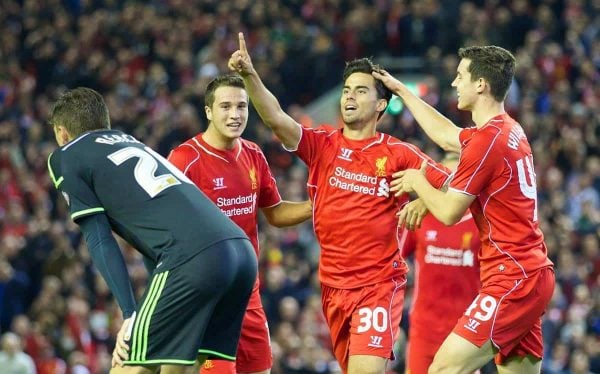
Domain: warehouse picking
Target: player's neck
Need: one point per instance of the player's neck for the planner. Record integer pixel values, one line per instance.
(219, 142)
(359, 133)
(485, 110)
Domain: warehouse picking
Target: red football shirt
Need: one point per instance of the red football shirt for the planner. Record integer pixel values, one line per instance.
(354, 212)
(496, 166)
(446, 274)
(238, 181)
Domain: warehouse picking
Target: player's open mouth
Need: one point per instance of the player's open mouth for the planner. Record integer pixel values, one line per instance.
(350, 108)
(234, 125)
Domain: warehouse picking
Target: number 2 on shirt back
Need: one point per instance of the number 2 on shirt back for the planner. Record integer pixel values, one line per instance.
(145, 169)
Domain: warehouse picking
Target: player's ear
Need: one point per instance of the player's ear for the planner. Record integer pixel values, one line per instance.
(481, 83)
(208, 112)
(381, 105)
(62, 134)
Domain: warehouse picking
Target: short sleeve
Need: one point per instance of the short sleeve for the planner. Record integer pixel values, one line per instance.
(311, 141)
(269, 194)
(183, 156)
(477, 163)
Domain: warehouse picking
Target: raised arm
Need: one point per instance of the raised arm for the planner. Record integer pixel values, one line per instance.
(288, 213)
(266, 104)
(438, 128)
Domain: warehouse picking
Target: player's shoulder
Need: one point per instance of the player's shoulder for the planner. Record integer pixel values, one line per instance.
(54, 165)
(249, 146)
(397, 144)
(189, 147)
(485, 136)
(324, 129)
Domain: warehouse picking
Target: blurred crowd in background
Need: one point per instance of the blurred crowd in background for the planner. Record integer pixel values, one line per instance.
(152, 59)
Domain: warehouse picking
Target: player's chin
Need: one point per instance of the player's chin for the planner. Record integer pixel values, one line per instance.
(350, 118)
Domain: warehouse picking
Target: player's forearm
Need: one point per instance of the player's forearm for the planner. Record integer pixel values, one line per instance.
(288, 213)
(269, 110)
(437, 202)
(108, 259)
(437, 127)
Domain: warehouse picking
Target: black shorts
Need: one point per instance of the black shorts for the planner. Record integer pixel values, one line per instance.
(197, 304)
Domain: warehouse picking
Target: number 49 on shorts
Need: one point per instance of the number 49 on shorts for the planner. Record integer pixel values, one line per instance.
(481, 310)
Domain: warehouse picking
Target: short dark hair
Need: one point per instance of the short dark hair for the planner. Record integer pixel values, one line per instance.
(79, 110)
(223, 80)
(494, 64)
(365, 65)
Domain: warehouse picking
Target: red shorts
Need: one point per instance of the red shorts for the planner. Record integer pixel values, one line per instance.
(420, 354)
(509, 314)
(364, 321)
(254, 348)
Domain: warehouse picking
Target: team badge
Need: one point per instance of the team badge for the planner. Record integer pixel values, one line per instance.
(252, 175)
(380, 165)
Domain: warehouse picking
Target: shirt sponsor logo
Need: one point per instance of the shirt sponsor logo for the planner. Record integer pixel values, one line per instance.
(375, 341)
(472, 325)
(219, 183)
(359, 182)
(449, 256)
(345, 154)
(237, 206)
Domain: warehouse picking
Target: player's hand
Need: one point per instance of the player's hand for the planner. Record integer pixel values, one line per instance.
(240, 61)
(412, 214)
(121, 351)
(404, 181)
(388, 80)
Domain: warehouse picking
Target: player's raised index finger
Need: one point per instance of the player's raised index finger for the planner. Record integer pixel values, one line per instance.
(242, 42)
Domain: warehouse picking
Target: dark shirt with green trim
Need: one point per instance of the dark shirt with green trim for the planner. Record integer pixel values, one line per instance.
(147, 201)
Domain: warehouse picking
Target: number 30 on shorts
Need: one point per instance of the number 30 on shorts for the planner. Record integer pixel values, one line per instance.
(484, 307)
(376, 318)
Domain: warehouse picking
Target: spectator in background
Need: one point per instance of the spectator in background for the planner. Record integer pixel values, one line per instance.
(12, 358)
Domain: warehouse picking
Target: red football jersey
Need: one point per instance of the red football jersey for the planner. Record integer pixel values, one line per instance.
(238, 181)
(446, 274)
(354, 212)
(496, 166)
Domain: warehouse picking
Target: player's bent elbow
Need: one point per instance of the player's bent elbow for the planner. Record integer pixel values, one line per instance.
(448, 146)
(449, 218)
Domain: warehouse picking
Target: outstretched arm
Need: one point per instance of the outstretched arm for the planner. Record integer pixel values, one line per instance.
(266, 104)
(437, 127)
(288, 213)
